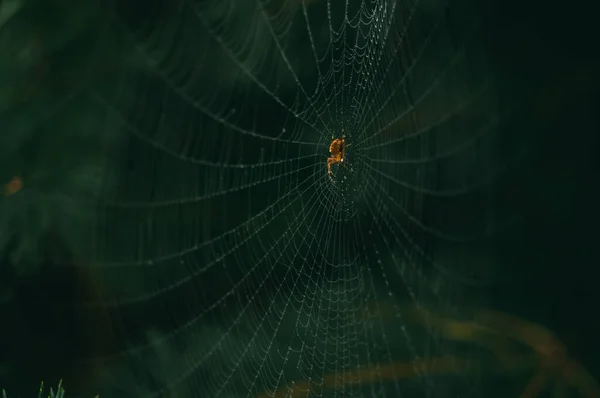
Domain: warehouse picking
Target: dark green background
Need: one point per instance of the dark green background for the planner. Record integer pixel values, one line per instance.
(545, 55)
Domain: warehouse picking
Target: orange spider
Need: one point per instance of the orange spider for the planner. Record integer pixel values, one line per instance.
(338, 152)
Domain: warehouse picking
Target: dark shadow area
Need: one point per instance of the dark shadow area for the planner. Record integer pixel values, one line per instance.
(546, 54)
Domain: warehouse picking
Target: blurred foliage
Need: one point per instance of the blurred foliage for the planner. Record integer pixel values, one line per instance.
(56, 141)
(56, 165)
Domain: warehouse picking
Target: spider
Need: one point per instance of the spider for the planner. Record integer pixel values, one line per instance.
(337, 148)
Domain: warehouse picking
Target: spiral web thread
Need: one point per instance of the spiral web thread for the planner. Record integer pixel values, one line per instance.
(271, 273)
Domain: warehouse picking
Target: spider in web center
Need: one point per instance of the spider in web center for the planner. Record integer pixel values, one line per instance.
(337, 149)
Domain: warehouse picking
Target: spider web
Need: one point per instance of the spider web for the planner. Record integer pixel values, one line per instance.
(261, 275)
